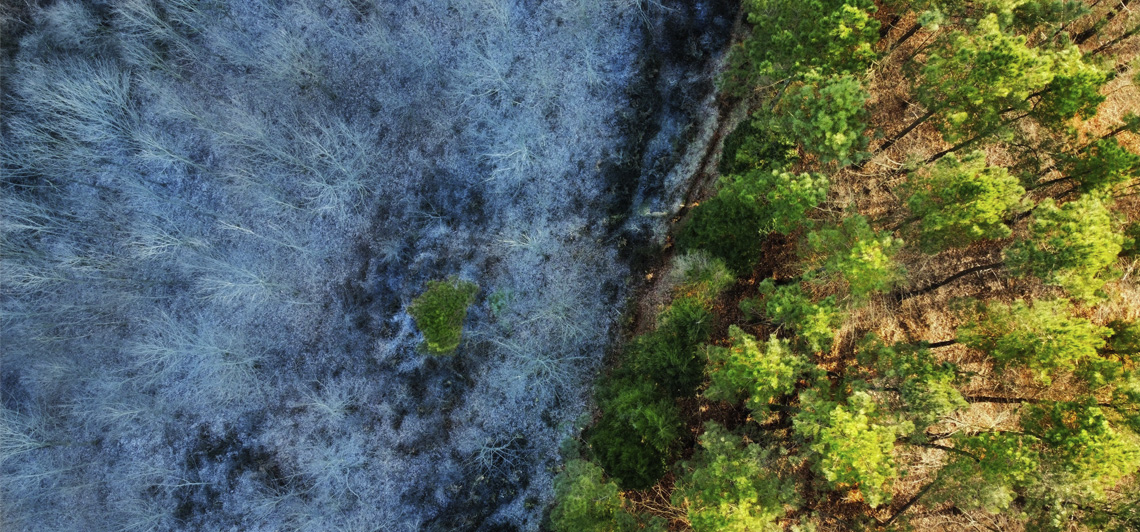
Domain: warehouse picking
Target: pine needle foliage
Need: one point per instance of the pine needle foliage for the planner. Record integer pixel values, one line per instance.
(637, 435)
(959, 201)
(791, 36)
(974, 77)
(814, 322)
(927, 387)
(1071, 246)
(857, 254)
(587, 502)
(850, 445)
(827, 115)
(731, 486)
(1044, 336)
(753, 371)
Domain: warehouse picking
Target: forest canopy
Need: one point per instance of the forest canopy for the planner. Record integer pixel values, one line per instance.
(930, 210)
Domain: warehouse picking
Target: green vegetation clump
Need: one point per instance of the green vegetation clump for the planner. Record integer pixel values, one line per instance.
(732, 224)
(728, 227)
(750, 370)
(439, 312)
(857, 254)
(1044, 337)
(669, 355)
(960, 201)
(1125, 338)
(637, 435)
(783, 197)
(1081, 450)
(1073, 91)
(587, 502)
(1070, 246)
(989, 472)
(850, 445)
(974, 77)
(792, 36)
(814, 322)
(763, 198)
(827, 116)
(1101, 166)
(731, 486)
(753, 145)
(926, 386)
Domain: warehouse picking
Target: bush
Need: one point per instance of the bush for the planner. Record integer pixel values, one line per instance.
(792, 36)
(731, 225)
(1005, 464)
(668, 356)
(784, 197)
(926, 386)
(1130, 247)
(856, 253)
(637, 434)
(439, 313)
(1081, 447)
(827, 115)
(959, 201)
(1102, 166)
(1045, 337)
(700, 276)
(1125, 338)
(586, 502)
(728, 227)
(1072, 246)
(751, 146)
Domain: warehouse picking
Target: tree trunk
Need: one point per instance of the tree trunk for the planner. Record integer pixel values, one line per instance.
(1012, 400)
(999, 400)
(908, 504)
(943, 343)
(905, 222)
(1083, 36)
(904, 37)
(1125, 35)
(970, 141)
(954, 148)
(1071, 190)
(1117, 131)
(891, 141)
(886, 28)
(1070, 23)
(779, 94)
(949, 450)
(932, 287)
(1049, 182)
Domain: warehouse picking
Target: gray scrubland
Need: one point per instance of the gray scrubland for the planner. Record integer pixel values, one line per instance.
(214, 215)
